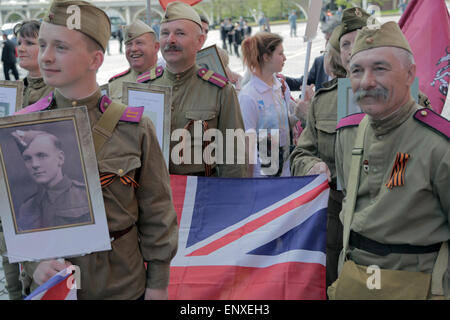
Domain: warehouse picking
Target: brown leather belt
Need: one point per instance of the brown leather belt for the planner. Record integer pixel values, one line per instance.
(117, 234)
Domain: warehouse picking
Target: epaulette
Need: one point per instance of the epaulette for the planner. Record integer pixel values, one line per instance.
(351, 120)
(39, 105)
(211, 76)
(120, 75)
(434, 121)
(131, 114)
(152, 74)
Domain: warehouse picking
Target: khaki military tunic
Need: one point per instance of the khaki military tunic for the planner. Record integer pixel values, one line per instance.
(115, 86)
(35, 89)
(196, 99)
(316, 143)
(415, 213)
(132, 150)
(66, 203)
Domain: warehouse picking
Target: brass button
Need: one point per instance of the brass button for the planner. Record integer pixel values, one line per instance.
(175, 88)
(424, 113)
(74, 103)
(120, 171)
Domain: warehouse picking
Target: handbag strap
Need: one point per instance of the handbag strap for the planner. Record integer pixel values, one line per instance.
(353, 182)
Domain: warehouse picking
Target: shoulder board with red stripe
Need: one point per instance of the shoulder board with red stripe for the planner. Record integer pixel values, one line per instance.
(152, 74)
(434, 121)
(211, 76)
(119, 75)
(39, 105)
(131, 114)
(351, 120)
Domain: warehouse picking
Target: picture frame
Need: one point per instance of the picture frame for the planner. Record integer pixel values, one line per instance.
(11, 97)
(156, 101)
(209, 58)
(347, 106)
(51, 201)
(104, 89)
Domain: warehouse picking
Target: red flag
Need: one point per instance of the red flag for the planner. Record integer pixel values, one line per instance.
(426, 25)
(164, 3)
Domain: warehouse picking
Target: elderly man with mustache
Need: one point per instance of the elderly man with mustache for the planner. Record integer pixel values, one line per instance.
(141, 51)
(393, 162)
(200, 97)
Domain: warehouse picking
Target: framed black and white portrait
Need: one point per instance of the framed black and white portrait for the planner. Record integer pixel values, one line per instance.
(51, 200)
(11, 97)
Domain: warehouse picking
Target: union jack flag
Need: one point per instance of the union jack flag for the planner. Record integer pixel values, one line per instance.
(259, 238)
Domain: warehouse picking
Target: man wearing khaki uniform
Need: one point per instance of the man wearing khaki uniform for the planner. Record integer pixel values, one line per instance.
(400, 219)
(137, 197)
(141, 51)
(200, 98)
(314, 152)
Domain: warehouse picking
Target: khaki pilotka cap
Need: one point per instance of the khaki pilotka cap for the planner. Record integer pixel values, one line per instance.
(387, 35)
(178, 10)
(353, 19)
(136, 29)
(93, 21)
(334, 38)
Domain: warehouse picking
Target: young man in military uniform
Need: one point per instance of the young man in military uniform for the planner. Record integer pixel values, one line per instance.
(314, 152)
(59, 200)
(141, 218)
(141, 51)
(199, 97)
(400, 216)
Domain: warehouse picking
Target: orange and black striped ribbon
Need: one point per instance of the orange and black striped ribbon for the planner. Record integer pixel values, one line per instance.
(107, 178)
(397, 177)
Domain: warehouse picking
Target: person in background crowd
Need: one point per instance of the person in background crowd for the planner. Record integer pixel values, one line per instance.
(9, 58)
(28, 48)
(293, 24)
(314, 153)
(141, 51)
(265, 99)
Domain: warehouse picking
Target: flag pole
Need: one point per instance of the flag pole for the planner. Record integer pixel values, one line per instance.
(149, 10)
(310, 33)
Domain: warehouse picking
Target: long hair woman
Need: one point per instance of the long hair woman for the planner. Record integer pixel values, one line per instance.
(27, 34)
(264, 102)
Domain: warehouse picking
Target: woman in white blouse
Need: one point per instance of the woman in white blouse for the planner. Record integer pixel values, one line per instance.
(264, 102)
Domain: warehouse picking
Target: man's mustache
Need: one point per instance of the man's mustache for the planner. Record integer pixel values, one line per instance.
(377, 93)
(172, 47)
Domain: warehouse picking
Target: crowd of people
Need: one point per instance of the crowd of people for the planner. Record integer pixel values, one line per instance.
(388, 167)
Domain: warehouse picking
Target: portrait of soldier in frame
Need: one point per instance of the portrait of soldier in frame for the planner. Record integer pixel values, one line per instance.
(46, 180)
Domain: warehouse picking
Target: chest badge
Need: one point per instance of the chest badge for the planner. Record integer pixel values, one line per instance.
(366, 166)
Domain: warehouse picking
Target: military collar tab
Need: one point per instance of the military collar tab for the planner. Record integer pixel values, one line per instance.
(352, 120)
(433, 121)
(40, 105)
(120, 75)
(131, 114)
(152, 74)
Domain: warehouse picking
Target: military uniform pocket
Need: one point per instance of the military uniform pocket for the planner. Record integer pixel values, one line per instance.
(326, 132)
(120, 166)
